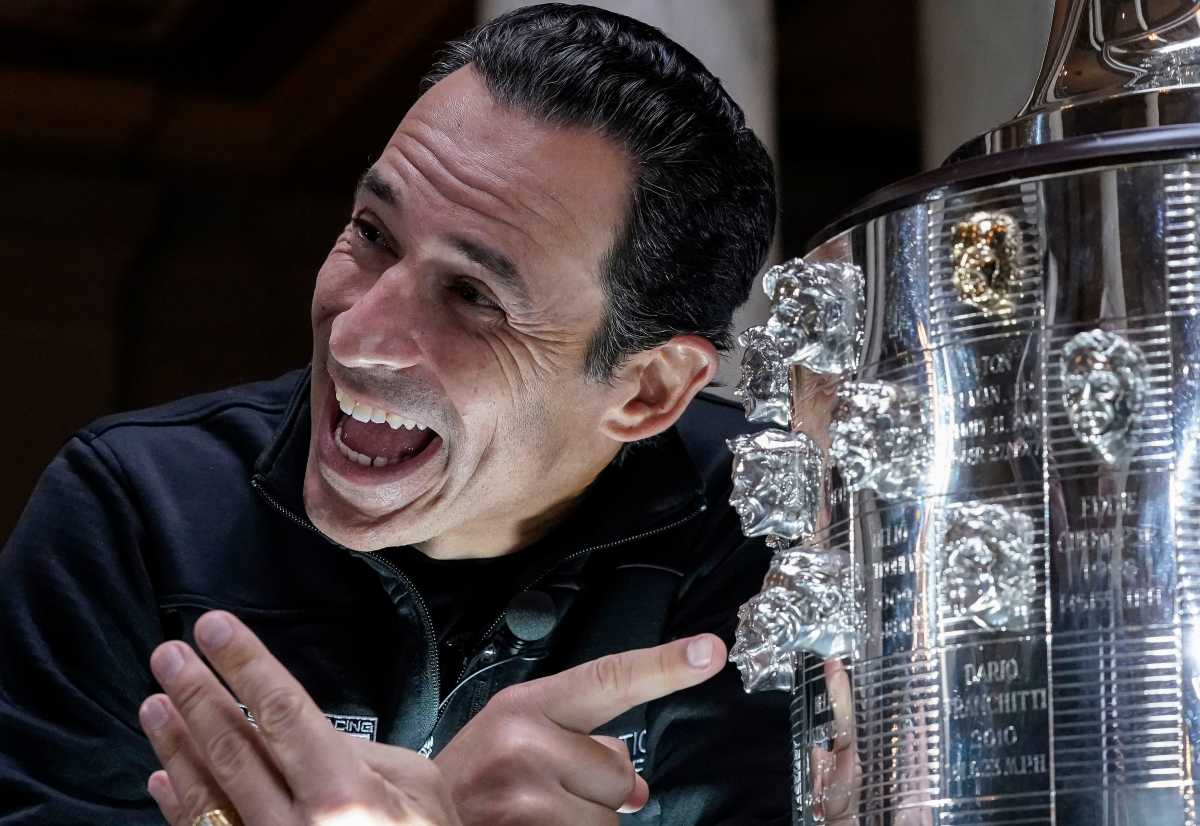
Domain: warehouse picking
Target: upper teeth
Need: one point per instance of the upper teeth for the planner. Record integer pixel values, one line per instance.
(365, 413)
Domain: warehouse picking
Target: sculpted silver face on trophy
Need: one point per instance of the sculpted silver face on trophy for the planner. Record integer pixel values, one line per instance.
(816, 314)
(879, 438)
(763, 386)
(1105, 379)
(986, 249)
(774, 492)
(805, 605)
(987, 574)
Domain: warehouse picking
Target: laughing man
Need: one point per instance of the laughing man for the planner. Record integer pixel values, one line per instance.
(476, 563)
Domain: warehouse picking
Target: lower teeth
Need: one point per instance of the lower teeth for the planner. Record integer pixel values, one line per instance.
(362, 459)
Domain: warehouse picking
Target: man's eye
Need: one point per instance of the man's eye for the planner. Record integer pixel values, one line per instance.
(468, 292)
(369, 233)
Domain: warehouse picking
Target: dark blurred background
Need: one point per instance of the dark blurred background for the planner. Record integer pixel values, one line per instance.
(172, 173)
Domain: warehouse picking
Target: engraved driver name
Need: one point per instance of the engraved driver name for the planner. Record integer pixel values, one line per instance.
(988, 693)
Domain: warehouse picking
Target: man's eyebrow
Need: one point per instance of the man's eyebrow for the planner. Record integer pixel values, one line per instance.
(374, 183)
(497, 263)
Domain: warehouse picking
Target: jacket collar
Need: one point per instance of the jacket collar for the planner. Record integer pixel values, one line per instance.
(648, 485)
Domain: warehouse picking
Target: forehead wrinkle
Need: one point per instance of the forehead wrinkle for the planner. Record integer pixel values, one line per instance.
(465, 188)
(487, 184)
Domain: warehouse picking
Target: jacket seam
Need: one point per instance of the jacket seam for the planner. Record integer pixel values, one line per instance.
(188, 600)
(113, 465)
(192, 417)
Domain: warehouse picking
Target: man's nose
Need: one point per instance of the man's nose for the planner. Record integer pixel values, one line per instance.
(385, 326)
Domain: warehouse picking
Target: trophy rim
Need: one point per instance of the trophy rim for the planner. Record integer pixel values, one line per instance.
(1126, 146)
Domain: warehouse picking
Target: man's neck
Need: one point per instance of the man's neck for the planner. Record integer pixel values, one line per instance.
(493, 540)
(492, 537)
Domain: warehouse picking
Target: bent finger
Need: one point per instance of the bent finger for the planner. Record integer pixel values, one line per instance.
(232, 752)
(190, 789)
(160, 788)
(587, 696)
(307, 750)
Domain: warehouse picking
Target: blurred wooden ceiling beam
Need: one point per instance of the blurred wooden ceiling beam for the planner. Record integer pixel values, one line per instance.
(256, 136)
(98, 113)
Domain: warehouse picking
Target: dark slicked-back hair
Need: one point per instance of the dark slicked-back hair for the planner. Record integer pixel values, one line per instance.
(703, 203)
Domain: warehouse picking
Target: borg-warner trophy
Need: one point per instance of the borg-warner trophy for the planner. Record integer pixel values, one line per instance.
(981, 467)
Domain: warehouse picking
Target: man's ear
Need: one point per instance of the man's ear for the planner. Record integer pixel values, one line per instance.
(657, 385)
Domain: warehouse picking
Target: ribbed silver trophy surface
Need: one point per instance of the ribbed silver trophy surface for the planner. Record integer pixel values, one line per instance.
(984, 491)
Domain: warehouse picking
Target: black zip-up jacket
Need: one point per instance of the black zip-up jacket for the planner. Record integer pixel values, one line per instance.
(146, 520)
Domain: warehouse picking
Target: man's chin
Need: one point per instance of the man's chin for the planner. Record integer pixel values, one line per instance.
(354, 524)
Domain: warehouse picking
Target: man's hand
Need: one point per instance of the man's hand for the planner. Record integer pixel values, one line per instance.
(836, 773)
(294, 768)
(527, 757)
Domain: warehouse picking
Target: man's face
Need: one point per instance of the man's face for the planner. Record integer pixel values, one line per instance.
(461, 298)
(762, 650)
(1094, 394)
(763, 383)
(985, 252)
(754, 498)
(816, 314)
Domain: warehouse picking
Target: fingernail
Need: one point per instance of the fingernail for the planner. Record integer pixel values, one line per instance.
(699, 652)
(154, 713)
(166, 663)
(213, 631)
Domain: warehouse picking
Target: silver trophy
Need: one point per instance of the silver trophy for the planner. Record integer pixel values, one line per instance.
(996, 616)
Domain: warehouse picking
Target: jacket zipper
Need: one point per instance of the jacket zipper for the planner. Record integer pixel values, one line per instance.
(430, 634)
(423, 608)
(462, 675)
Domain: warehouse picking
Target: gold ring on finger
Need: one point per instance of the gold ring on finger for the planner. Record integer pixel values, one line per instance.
(217, 817)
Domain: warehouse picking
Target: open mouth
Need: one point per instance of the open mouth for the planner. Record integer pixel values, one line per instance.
(374, 437)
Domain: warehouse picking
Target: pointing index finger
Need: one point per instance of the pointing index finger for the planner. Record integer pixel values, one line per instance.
(587, 696)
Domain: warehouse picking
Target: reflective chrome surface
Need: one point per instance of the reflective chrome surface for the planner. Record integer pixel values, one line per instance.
(995, 616)
(763, 387)
(1111, 65)
(1026, 634)
(807, 604)
(775, 483)
(816, 314)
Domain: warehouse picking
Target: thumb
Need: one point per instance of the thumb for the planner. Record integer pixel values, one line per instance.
(588, 696)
